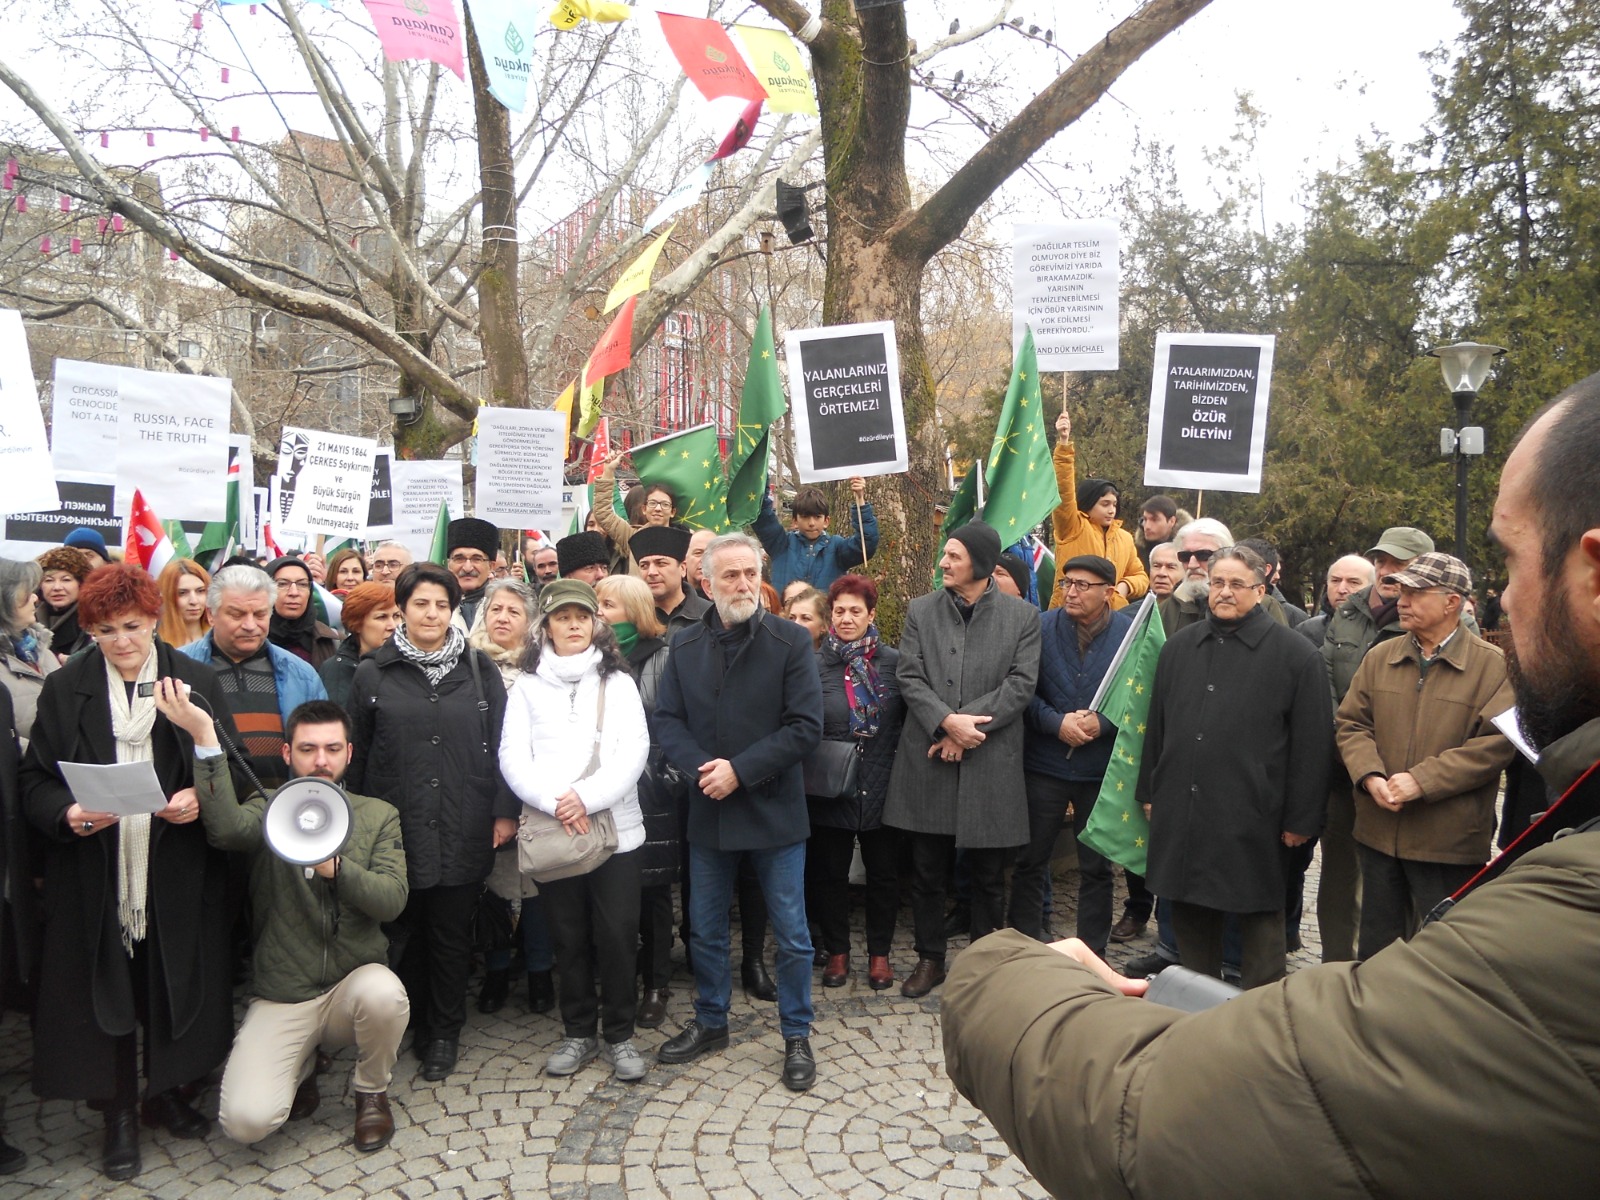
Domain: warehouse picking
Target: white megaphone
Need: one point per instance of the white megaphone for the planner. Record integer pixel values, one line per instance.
(307, 821)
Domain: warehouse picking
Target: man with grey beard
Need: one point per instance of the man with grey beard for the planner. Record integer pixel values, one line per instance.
(739, 710)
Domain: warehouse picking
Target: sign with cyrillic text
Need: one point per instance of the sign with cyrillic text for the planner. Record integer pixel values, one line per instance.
(1064, 282)
(1208, 411)
(844, 389)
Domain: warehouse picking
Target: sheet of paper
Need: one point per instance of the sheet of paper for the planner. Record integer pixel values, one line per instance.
(121, 788)
(1507, 724)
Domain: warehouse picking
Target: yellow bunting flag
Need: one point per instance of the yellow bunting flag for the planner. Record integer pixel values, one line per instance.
(567, 13)
(780, 67)
(589, 404)
(563, 405)
(636, 278)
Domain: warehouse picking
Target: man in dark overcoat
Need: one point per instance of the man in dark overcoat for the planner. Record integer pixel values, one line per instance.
(1234, 770)
(969, 658)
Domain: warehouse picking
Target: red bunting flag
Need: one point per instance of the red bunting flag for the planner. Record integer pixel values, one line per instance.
(707, 56)
(615, 349)
(600, 450)
(739, 136)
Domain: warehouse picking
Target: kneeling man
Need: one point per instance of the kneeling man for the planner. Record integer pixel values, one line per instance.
(321, 973)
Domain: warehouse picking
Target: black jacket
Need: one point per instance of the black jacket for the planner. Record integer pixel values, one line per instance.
(339, 672)
(86, 992)
(19, 928)
(763, 713)
(1237, 750)
(660, 786)
(864, 810)
(434, 755)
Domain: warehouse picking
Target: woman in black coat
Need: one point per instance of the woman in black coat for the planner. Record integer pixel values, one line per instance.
(862, 707)
(19, 916)
(135, 924)
(427, 710)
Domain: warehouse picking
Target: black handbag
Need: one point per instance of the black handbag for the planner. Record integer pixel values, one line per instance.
(832, 769)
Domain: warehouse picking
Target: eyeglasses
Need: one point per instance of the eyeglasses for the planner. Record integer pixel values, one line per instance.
(294, 585)
(1186, 556)
(1080, 585)
(387, 564)
(658, 504)
(468, 560)
(1234, 585)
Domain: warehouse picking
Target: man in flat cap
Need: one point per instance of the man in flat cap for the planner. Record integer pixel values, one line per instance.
(584, 556)
(1067, 745)
(660, 551)
(1416, 734)
(470, 549)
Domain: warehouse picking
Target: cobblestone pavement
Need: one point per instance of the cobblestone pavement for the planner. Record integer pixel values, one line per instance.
(882, 1120)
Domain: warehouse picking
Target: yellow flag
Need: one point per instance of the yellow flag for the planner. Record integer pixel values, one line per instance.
(636, 278)
(589, 404)
(563, 405)
(780, 67)
(567, 13)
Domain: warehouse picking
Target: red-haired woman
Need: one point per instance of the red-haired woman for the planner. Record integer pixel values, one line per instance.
(135, 925)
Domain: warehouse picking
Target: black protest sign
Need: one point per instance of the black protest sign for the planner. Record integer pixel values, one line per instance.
(844, 384)
(1208, 411)
(81, 504)
(380, 508)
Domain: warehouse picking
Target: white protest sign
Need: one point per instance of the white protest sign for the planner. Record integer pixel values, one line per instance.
(419, 488)
(172, 444)
(324, 482)
(520, 453)
(1208, 411)
(83, 417)
(844, 392)
(1064, 282)
(27, 478)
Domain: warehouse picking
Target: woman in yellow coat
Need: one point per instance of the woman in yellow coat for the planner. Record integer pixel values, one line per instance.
(1086, 522)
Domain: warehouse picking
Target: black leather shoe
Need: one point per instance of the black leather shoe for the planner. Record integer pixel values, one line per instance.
(541, 991)
(439, 1059)
(496, 987)
(171, 1112)
(799, 1066)
(958, 921)
(927, 975)
(121, 1157)
(757, 983)
(12, 1160)
(420, 1040)
(694, 1041)
(653, 1010)
(1146, 965)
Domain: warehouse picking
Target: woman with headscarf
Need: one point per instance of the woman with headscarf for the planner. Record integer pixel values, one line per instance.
(370, 616)
(184, 617)
(135, 925)
(24, 643)
(294, 625)
(427, 710)
(1086, 522)
(64, 569)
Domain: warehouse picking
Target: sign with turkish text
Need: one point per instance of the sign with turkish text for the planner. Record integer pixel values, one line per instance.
(380, 508)
(1208, 411)
(27, 477)
(324, 482)
(1064, 282)
(419, 489)
(844, 392)
(520, 453)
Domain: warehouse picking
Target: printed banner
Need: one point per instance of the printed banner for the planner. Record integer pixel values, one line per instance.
(380, 508)
(636, 278)
(172, 444)
(1064, 282)
(780, 67)
(505, 35)
(419, 489)
(425, 29)
(520, 453)
(83, 500)
(708, 57)
(83, 417)
(681, 196)
(324, 482)
(27, 477)
(1208, 411)
(844, 392)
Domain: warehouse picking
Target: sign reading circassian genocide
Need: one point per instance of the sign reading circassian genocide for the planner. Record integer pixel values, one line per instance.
(844, 384)
(1208, 411)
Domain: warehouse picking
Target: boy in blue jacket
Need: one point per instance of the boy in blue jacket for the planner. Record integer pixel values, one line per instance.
(808, 552)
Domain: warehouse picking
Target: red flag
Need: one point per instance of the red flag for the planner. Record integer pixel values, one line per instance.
(615, 349)
(601, 450)
(146, 543)
(739, 136)
(707, 56)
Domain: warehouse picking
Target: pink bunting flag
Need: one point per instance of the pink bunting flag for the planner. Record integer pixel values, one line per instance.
(22, 202)
(116, 222)
(100, 225)
(11, 166)
(224, 74)
(66, 204)
(172, 255)
(425, 29)
(196, 21)
(205, 134)
(739, 136)
(76, 246)
(236, 133)
(150, 139)
(44, 245)
(105, 141)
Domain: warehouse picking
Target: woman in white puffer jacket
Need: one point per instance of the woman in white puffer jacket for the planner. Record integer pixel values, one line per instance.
(547, 748)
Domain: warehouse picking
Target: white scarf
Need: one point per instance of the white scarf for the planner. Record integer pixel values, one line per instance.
(131, 725)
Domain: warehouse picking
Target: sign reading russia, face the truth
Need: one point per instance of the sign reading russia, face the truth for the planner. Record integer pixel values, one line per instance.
(844, 382)
(1208, 411)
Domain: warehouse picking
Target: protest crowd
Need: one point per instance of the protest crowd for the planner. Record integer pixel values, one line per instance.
(560, 766)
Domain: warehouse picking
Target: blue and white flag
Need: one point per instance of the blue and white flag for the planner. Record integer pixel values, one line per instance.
(505, 35)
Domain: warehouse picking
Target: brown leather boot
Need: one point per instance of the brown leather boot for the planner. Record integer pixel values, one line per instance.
(837, 972)
(374, 1122)
(929, 974)
(880, 975)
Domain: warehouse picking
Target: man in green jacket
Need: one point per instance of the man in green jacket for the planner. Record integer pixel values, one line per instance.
(321, 958)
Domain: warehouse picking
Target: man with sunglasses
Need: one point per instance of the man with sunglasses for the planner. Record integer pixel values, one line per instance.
(1196, 544)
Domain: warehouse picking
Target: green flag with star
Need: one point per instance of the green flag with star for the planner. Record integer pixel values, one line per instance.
(761, 404)
(1117, 827)
(690, 464)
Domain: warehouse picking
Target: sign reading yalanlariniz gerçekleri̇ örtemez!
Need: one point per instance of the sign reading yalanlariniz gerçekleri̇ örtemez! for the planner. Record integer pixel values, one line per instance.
(1208, 411)
(844, 390)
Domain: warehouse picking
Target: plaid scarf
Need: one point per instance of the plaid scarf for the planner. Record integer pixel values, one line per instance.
(863, 688)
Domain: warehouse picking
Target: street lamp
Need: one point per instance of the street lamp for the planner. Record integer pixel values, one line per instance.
(1465, 366)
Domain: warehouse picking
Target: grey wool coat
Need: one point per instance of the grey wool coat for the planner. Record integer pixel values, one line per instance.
(988, 665)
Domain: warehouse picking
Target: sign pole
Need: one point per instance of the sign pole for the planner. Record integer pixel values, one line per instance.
(1199, 502)
(861, 528)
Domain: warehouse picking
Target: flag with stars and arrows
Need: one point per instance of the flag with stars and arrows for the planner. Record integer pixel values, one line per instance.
(1117, 828)
(1018, 476)
(690, 464)
(761, 405)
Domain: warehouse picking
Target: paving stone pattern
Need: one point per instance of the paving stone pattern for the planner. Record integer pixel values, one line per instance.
(882, 1120)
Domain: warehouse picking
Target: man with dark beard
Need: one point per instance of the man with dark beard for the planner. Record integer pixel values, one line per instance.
(1461, 1062)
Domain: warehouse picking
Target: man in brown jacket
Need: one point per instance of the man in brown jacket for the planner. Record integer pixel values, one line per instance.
(1415, 733)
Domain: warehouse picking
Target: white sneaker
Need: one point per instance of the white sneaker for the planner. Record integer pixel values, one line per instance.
(570, 1056)
(627, 1064)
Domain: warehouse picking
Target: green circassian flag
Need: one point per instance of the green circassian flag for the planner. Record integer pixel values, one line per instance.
(690, 464)
(439, 548)
(219, 539)
(1018, 475)
(761, 404)
(179, 537)
(1117, 827)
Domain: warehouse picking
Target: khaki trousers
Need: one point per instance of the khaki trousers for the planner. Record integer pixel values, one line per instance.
(276, 1047)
